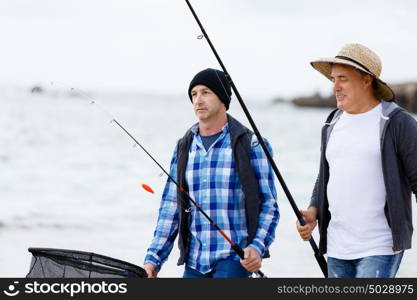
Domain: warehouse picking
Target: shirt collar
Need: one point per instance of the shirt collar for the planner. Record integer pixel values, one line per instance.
(195, 131)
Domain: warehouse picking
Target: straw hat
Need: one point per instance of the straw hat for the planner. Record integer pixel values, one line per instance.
(361, 58)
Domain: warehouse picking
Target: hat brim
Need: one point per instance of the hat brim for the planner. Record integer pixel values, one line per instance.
(324, 66)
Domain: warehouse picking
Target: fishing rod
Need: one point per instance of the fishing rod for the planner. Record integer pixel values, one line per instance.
(320, 258)
(234, 246)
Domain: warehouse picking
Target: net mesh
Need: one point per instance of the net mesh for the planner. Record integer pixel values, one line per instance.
(62, 263)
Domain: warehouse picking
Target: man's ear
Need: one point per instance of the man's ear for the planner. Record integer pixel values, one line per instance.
(367, 79)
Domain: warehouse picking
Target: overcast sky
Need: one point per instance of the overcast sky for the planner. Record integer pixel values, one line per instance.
(151, 45)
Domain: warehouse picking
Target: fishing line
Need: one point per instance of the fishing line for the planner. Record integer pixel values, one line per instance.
(113, 120)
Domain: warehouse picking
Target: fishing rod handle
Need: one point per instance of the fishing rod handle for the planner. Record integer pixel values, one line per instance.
(241, 254)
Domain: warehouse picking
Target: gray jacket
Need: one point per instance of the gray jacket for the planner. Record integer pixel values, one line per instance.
(398, 139)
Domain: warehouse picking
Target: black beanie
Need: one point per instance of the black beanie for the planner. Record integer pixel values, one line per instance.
(216, 81)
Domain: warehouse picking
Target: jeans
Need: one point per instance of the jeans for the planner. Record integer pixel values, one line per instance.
(382, 266)
(225, 268)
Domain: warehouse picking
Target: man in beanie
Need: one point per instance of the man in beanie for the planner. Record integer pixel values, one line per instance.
(368, 170)
(224, 169)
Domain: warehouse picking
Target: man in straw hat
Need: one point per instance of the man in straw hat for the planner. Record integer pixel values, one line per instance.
(368, 169)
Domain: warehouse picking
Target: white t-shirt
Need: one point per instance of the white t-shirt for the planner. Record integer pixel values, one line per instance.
(356, 189)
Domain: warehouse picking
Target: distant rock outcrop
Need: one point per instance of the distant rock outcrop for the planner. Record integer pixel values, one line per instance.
(315, 100)
(405, 96)
(37, 89)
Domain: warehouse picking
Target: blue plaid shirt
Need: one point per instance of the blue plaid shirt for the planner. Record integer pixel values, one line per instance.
(213, 183)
